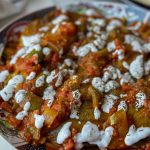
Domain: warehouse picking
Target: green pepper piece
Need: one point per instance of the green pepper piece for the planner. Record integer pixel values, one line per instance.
(33, 52)
(35, 101)
(50, 116)
(81, 10)
(119, 121)
(140, 117)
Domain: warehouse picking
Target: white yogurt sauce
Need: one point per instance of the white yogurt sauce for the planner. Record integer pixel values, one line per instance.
(56, 27)
(119, 53)
(91, 134)
(110, 73)
(44, 29)
(140, 99)
(64, 133)
(84, 50)
(21, 115)
(31, 76)
(108, 103)
(134, 135)
(30, 40)
(126, 78)
(3, 75)
(29, 49)
(100, 42)
(68, 62)
(39, 121)
(59, 19)
(7, 92)
(86, 81)
(19, 53)
(26, 106)
(59, 79)
(52, 76)
(122, 106)
(76, 94)
(15, 80)
(20, 96)
(125, 65)
(49, 94)
(111, 85)
(111, 46)
(147, 67)
(76, 104)
(99, 22)
(138, 45)
(40, 81)
(46, 51)
(113, 24)
(97, 113)
(98, 84)
(90, 12)
(137, 67)
(146, 47)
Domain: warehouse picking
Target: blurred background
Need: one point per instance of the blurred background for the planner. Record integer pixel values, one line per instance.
(11, 9)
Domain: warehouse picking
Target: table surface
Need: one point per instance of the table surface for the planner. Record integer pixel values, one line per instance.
(32, 5)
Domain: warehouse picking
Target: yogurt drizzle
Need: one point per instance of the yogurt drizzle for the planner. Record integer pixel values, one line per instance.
(134, 135)
(91, 134)
(64, 133)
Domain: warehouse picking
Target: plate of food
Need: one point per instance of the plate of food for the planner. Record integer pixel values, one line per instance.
(76, 77)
